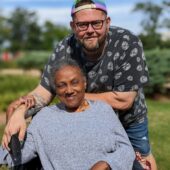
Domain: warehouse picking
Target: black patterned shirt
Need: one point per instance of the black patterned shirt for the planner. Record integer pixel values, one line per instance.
(122, 68)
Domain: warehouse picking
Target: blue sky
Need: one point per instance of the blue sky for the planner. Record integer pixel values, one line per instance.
(58, 11)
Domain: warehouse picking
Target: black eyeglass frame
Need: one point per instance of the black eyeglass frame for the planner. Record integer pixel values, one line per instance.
(92, 23)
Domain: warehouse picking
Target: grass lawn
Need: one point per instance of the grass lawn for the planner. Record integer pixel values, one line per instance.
(159, 125)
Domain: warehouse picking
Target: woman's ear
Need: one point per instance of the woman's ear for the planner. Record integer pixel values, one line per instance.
(85, 83)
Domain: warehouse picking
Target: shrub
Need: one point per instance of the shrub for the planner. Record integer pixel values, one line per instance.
(33, 59)
(158, 62)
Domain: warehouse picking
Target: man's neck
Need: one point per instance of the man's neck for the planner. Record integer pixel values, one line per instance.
(94, 55)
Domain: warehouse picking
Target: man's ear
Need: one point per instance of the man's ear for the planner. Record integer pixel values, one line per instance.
(108, 20)
(72, 25)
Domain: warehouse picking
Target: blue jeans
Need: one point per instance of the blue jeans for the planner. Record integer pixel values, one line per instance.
(138, 136)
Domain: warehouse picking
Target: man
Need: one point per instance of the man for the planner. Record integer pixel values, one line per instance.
(116, 72)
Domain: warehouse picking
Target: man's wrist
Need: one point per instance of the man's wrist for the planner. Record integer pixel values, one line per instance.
(32, 111)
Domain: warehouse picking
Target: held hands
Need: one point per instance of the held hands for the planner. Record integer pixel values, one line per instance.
(101, 165)
(28, 101)
(16, 122)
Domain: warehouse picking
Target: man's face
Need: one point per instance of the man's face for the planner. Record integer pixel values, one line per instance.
(90, 27)
(70, 87)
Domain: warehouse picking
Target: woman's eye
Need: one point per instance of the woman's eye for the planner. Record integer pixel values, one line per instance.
(75, 82)
(59, 86)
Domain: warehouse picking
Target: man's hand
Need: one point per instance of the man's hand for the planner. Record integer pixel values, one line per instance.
(16, 124)
(101, 165)
(118, 100)
(28, 101)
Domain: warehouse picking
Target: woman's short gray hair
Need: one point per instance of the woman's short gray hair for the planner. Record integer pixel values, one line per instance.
(65, 62)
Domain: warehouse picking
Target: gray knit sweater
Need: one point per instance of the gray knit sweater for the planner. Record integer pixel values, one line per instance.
(76, 141)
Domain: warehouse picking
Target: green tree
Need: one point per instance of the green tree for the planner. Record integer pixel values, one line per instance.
(23, 24)
(166, 21)
(34, 37)
(150, 36)
(52, 33)
(4, 30)
(155, 18)
(152, 14)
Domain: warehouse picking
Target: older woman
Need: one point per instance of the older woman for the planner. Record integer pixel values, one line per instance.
(76, 134)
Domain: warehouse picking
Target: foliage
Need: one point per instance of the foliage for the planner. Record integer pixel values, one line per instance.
(33, 59)
(24, 29)
(166, 21)
(153, 13)
(51, 34)
(151, 41)
(12, 87)
(158, 62)
(4, 31)
(21, 31)
(154, 19)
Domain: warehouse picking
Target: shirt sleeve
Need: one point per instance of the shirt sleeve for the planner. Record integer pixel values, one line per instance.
(61, 51)
(28, 152)
(122, 148)
(131, 72)
(46, 78)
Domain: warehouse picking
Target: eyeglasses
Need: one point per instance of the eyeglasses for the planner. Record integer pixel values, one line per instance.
(97, 25)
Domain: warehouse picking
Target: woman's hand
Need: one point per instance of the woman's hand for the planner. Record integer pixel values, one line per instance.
(101, 165)
(15, 125)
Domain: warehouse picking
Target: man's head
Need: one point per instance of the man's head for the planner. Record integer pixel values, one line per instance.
(90, 23)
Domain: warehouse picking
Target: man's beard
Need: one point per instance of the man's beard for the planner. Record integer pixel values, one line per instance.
(90, 47)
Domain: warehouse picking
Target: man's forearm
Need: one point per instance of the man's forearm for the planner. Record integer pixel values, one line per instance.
(42, 96)
(35, 100)
(118, 100)
(40, 102)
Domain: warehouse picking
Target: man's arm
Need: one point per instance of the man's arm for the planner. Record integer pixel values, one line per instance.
(36, 99)
(42, 98)
(118, 100)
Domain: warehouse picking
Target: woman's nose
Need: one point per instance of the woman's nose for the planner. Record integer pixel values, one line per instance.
(69, 89)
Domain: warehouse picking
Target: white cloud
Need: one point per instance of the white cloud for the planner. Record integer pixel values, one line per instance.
(56, 15)
(34, 1)
(124, 17)
(120, 16)
(119, 9)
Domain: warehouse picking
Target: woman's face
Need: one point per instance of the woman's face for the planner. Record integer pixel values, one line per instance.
(70, 87)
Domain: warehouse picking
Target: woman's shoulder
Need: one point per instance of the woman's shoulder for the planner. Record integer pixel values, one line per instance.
(99, 104)
(45, 113)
